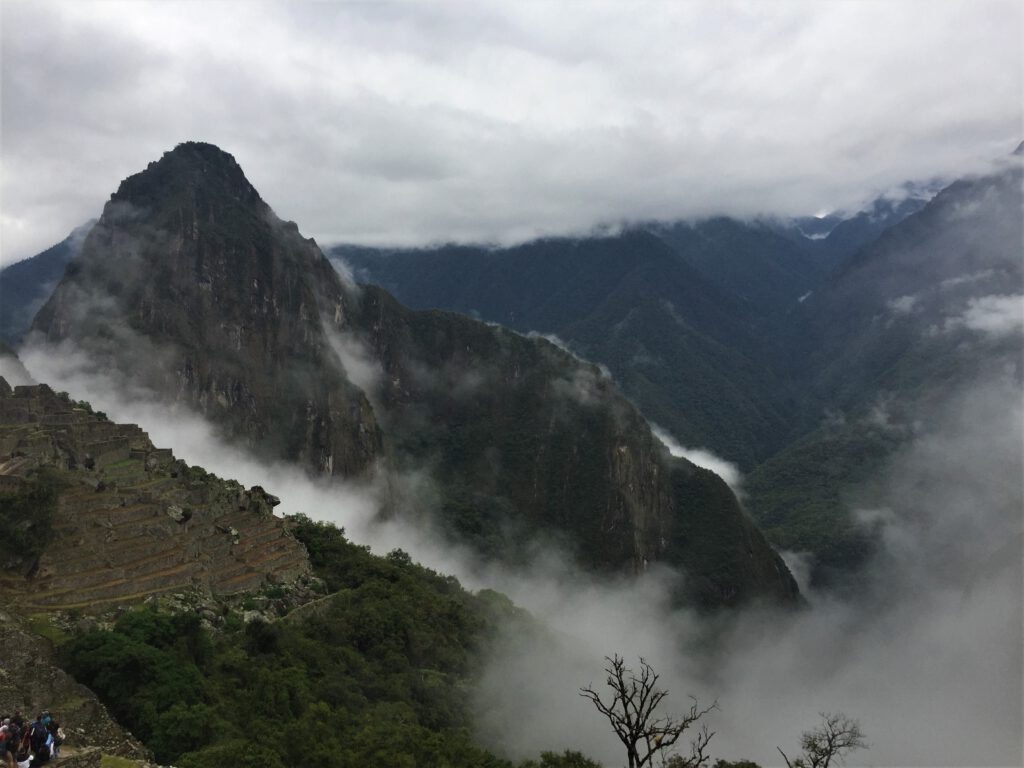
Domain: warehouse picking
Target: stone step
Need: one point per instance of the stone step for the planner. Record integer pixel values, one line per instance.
(117, 586)
(87, 521)
(91, 605)
(128, 558)
(273, 559)
(154, 484)
(99, 558)
(127, 468)
(245, 581)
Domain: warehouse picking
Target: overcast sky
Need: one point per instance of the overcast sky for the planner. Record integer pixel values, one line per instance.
(409, 123)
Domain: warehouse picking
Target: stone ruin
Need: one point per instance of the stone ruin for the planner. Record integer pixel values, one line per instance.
(131, 522)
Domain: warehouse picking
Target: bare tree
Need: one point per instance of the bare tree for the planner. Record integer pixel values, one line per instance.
(631, 712)
(832, 740)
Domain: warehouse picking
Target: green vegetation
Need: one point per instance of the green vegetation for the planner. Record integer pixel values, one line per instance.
(26, 513)
(672, 313)
(41, 625)
(567, 759)
(801, 498)
(379, 675)
(113, 761)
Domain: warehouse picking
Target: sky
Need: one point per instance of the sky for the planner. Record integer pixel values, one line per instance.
(424, 122)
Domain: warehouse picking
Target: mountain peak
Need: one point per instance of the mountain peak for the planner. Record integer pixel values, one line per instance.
(188, 168)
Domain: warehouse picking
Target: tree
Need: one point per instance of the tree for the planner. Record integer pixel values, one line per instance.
(832, 740)
(631, 712)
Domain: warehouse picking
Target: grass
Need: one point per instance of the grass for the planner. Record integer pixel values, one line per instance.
(113, 761)
(39, 624)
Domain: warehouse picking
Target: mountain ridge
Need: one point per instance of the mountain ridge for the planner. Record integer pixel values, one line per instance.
(236, 315)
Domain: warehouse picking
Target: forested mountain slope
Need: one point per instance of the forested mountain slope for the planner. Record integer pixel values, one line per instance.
(933, 307)
(650, 305)
(738, 337)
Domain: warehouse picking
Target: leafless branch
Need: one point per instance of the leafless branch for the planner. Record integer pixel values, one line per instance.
(631, 712)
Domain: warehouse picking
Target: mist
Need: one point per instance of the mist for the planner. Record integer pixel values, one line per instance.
(702, 457)
(927, 656)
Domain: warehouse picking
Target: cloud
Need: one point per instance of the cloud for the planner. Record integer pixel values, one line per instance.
(903, 305)
(13, 371)
(970, 277)
(931, 637)
(415, 123)
(702, 457)
(991, 315)
(358, 363)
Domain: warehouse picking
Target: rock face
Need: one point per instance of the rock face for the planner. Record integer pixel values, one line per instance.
(129, 520)
(31, 680)
(510, 425)
(191, 287)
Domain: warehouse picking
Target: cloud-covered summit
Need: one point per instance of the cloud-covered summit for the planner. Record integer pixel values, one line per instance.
(413, 123)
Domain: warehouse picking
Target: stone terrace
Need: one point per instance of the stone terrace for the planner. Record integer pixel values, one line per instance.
(131, 521)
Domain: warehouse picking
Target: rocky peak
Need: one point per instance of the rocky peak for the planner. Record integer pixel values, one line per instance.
(192, 167)
(191, 287)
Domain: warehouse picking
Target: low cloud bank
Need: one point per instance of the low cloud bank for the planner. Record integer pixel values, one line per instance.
(702, 457)
(992, 315)
(927, 656)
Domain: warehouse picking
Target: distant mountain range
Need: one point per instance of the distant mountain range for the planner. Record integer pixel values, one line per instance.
(681, 313)
(26, 285)
(770, 343)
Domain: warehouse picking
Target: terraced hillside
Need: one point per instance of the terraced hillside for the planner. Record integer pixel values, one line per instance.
(128, 520)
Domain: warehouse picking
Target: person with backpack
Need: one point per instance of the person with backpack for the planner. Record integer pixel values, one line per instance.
(16, 738)
(57, 733)
(6, 752)
(39, 740)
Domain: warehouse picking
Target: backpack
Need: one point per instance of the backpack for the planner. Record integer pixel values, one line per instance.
(38, 735)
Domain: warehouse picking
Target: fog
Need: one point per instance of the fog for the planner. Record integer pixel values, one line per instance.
(927, 656)
(702, 457)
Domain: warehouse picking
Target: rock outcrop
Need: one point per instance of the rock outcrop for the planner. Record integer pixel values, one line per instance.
(129, 521)
(31, 680)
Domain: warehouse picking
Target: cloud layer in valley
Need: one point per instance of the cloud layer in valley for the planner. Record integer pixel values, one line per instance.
(419, 122)
(927, 655)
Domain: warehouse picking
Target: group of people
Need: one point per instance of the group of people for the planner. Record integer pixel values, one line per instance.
(27, 745)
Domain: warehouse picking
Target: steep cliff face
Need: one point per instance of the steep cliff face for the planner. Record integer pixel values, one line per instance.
(190, 286)
(511, 424)
(193, 288)
(521, 437)
(112, 520)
